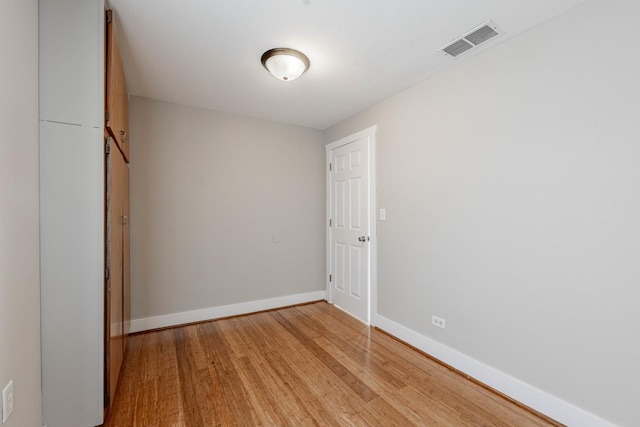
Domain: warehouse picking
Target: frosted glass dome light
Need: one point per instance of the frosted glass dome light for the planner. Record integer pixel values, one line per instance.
(284, 63)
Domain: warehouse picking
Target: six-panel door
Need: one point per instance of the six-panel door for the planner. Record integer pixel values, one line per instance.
(350, 227)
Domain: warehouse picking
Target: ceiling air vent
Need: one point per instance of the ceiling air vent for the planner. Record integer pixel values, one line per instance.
(473, 38)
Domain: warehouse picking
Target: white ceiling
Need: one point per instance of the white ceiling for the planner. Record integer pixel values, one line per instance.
(206, 53)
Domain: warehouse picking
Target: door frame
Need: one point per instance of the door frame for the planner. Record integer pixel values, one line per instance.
(370, 134)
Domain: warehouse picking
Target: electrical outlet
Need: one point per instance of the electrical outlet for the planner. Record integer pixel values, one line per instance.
(438, 321)
(7, 401)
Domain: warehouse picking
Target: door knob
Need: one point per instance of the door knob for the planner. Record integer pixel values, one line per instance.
(362, 239)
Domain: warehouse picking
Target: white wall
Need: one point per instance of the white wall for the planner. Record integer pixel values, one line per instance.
(224, 209)
(511, 183)
(19, 258)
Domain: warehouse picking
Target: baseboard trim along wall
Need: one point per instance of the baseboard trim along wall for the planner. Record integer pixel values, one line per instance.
(536, 399)
(175, 319)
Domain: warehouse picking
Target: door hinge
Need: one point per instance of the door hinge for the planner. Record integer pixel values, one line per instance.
(109, 16)
(107, 148)
(106, 273)
(330, 222)
(330, 277)
(329, 167)
(107, 116)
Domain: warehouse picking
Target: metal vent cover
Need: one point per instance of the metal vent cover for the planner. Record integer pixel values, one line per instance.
(458, 47)
(471, 39)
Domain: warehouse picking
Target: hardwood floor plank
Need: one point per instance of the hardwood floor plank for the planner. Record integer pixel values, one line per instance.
(341, 346)
(237, 410)
(354, 383)
(310, 365)
(262, 398)
(188, 375)
(281, 381)
(215, 398)
(169, 404)
(325, 395)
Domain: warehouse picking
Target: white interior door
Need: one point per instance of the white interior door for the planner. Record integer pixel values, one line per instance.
(350, 228)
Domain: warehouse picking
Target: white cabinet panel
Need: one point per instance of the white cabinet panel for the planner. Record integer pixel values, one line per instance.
(72, 268)
(72, 61)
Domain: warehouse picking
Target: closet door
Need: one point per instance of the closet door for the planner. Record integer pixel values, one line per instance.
(117, 113)
(117, 181)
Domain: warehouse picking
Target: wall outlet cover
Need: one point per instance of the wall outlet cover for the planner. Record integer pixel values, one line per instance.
(438, 321)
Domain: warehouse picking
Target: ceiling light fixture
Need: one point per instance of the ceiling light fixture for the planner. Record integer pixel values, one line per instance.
(284, 63)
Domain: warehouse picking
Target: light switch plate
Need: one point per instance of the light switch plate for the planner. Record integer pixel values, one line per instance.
(382, 214)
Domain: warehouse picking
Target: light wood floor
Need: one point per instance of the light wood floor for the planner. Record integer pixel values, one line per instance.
(298, 366)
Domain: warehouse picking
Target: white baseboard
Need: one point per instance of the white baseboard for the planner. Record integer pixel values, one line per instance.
(175, 319)
(536, 399)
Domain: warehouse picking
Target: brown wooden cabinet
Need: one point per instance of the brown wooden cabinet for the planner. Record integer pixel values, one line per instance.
(117, 285)
(117, 105)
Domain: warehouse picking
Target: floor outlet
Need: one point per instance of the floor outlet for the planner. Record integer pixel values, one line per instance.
(438, 321)
(7, 401)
